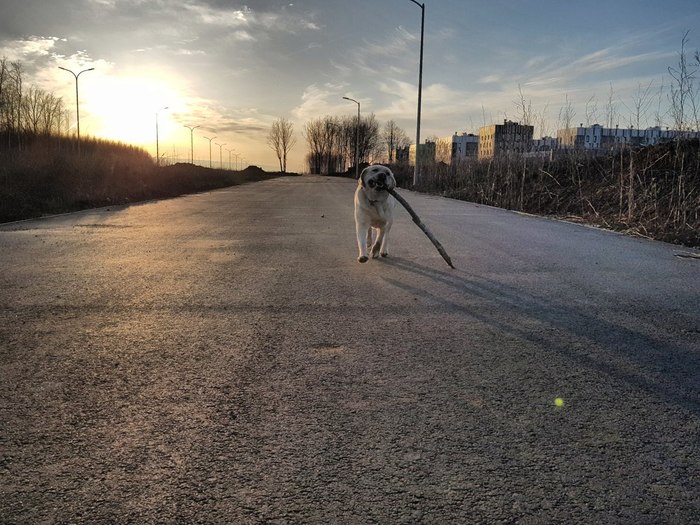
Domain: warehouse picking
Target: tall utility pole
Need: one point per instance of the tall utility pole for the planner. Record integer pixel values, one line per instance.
(416, 168)
(157, 149)
(357, 139)
(77, 100)
(221, 162)
(191, 128)
(210, 139)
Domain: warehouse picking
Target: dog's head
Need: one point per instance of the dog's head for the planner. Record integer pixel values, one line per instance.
(376, 180)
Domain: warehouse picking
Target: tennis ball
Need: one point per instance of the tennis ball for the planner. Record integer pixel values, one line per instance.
(559, 402)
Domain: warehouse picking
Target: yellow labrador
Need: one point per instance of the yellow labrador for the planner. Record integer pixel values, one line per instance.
(374, 210)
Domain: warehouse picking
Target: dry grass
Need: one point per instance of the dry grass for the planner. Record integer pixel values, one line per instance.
(42, 175)
(653, 192)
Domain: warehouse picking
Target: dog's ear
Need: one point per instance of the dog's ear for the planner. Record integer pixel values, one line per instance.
(392, 179)
(361, 180)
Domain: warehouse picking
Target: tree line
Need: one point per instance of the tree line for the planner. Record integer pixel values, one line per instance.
(27, 109)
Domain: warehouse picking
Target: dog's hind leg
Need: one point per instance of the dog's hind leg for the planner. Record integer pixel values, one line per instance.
(378, 242)
(381, 244)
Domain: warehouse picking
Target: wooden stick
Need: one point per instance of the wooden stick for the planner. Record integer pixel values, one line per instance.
(422, 226)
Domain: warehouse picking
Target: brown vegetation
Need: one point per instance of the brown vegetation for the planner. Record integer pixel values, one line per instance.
(652, 192)
(46, 176)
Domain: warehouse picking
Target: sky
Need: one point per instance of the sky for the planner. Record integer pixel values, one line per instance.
(233, 68)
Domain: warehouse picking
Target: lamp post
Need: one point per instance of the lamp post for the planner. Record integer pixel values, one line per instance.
(229, 158)
(191, 128)
(357, 139)
(77, 103)
(210, 139)
(221, 162)
(416, 168)
(157, 149)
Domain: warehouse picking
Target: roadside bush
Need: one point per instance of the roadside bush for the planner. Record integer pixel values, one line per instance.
(653, 192)
(43, 175)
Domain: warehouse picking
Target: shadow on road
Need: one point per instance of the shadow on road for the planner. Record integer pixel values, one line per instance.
(662, 368)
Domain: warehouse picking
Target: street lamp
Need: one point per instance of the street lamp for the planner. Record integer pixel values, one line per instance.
(221, 163)
(157, 149)
(191, 128)
(229, 158)
(77, 104)
(357, 139)
(416, 169)
(210, 139)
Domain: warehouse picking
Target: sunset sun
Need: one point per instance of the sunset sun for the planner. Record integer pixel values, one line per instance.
(124, 108)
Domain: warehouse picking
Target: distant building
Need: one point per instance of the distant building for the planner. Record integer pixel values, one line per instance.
(456, 148)
(426, 153)
(542, 147)
(596, 137)
(503, 139)
(403, 155)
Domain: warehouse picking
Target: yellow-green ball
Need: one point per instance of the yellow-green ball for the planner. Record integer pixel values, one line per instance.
(559, 402)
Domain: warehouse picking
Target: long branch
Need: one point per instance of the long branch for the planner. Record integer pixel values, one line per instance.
(422, 226)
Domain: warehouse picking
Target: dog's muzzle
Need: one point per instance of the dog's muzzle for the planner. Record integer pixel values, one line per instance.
(377, 185)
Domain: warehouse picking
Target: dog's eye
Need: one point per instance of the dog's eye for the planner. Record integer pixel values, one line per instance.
(371, 184)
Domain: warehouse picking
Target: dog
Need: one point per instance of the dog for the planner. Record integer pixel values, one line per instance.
(374, 210)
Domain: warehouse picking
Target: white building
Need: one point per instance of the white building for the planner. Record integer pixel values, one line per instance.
(456, 148)
(597, 137)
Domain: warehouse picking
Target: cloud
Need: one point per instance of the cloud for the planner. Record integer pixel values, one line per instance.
(490, 79)
(319, 100)
(28, 49)
(245, 17)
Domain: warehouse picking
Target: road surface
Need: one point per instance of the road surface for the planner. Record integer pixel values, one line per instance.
(223, 358)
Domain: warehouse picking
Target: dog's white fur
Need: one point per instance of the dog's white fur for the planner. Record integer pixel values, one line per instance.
(374, 210)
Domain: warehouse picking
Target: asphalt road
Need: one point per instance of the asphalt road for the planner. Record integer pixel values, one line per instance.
(223, 358)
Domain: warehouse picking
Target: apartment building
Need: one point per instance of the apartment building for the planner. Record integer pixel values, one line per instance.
(456, 148)
(596, 137)
(503, 139)
(426, 153)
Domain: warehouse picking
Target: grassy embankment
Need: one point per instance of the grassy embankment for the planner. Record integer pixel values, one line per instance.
(43, 175)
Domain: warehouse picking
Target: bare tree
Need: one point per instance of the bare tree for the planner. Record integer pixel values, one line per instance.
(332, 140)
(658, 115)
(525, 113)
(541, 121)
(370, 140)
(641, 101)
(323, 137)
(394, 138)
(314, 139)
(682, 78)
(16, 75)
(610, 109)
(566, 113)
(281, 139)
(591, 111)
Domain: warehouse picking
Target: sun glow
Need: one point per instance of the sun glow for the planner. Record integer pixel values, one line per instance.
(124, 109)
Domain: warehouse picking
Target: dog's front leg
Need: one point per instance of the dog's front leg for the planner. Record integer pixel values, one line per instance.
(361, 228)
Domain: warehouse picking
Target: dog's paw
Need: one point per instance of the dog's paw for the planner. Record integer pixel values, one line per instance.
(384, 254)
(362, 259)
